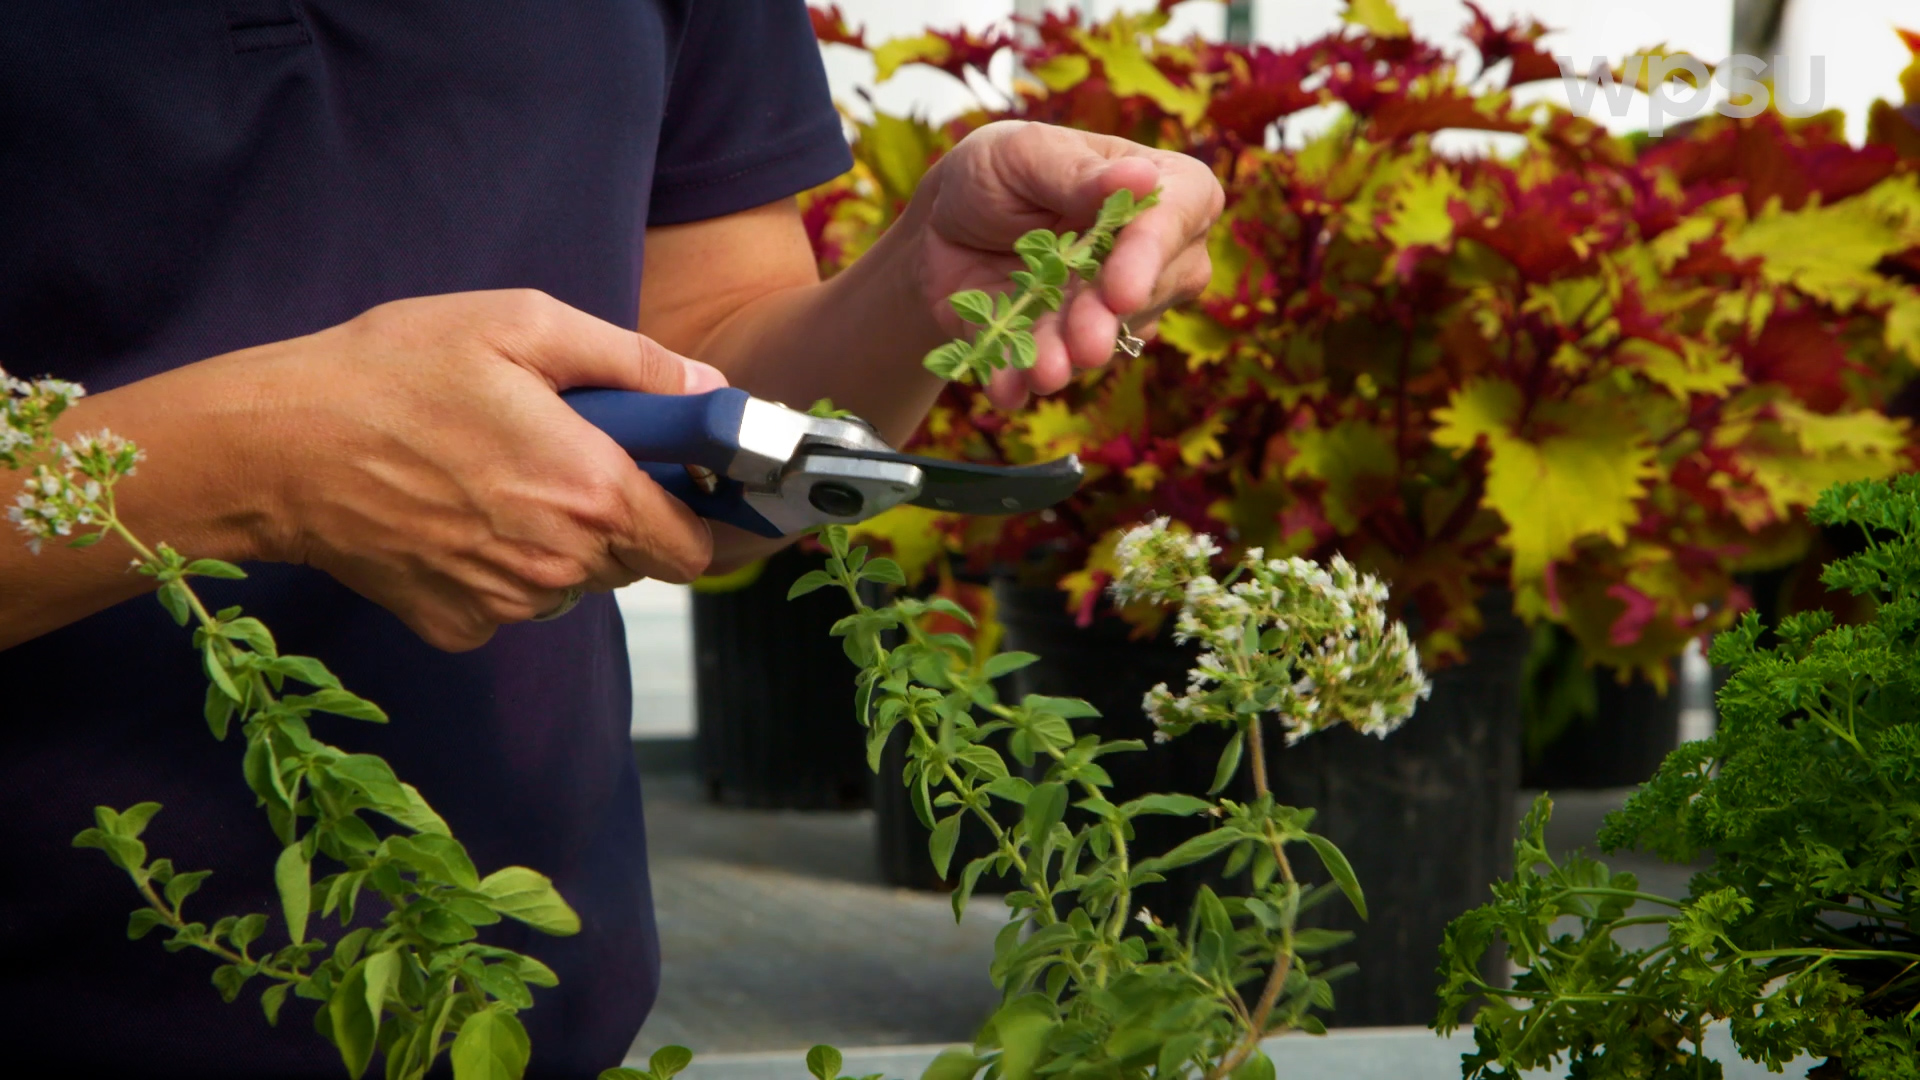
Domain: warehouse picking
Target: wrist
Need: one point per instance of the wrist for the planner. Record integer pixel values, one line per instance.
(209, 485)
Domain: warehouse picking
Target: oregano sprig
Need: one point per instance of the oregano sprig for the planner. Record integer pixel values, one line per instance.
(1005, 335)
(412, 987)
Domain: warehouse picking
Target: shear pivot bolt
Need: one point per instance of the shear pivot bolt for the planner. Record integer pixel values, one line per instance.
(836, 500)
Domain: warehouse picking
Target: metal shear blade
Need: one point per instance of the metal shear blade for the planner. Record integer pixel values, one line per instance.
(963, 487)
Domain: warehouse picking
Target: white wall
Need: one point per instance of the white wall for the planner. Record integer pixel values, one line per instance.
(1864, 56)
(660, 651)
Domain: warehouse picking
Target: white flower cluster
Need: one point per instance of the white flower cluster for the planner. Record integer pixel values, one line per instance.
(27, 410)
(56, 502)
(1310, 645)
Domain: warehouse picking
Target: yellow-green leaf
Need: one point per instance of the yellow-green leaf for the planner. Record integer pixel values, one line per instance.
(491, 1045)
(1201, 443)
(1063, 72)
(1355, 460)
(1194, 333)
(891, 56)
(1377, 17)
(1131, 73)
(1702, 369)
(1581, 477)
(529, 896)
(1421, 213)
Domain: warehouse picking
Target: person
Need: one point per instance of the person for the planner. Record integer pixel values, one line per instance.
(329, 263)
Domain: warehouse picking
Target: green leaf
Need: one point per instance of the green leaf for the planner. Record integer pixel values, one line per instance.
(142, 922)
(382, 976)
(173, 597)
(973, 306)
(271, 999)
(1065, 708)
(353, 1025)
(491, 1045)
(1007, 663)
(824, 1062)
(185, 884)
(884, 571)
(218, 711)
(1045, 807)
(1342, 871)
(1025, 349)
(86, 541)
(253, 632)
(1258, 1066)
(670, 1060)
(247, 930)
(133, 821)
(338, 702)
(1192, 851)
(374, 777)
(306, 669)
(529, 896)
(292, 875)
(229, 978)
(949, 362)
(417, 815)
(1176, 805)
(624, 1073)
(439, 857)
(214, 568)
(809, 581)
(945, 835)
(1229, 763)
(216, 666)
(953, 1063)
(969, 877)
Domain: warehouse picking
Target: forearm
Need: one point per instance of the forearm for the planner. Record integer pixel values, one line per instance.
(197, 491)
(857, 339)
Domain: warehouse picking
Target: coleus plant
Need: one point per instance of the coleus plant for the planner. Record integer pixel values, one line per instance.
(1803, 931)
(1605, 374)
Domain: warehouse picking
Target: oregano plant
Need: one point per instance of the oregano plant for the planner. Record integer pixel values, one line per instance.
(1092, 984)
(412, 983)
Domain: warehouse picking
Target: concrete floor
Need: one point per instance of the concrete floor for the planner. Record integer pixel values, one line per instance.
(777, 933)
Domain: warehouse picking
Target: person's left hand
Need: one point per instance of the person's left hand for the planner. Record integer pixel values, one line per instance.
(1013, 176)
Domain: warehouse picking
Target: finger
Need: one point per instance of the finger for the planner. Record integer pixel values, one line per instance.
(1190, 200)
(570, 348)
(1007, 390)
(1090, 330)
(665, 540)
(1069, 173)
(1051, 367)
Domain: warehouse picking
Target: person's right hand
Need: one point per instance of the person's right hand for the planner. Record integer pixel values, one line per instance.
(420, 454)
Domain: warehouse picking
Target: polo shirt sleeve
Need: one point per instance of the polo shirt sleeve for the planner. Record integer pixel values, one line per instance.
(748, 118)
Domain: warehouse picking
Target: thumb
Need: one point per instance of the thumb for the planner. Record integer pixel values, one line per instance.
(570, 348)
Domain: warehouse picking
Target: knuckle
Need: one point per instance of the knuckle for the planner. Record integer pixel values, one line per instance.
(517, 317)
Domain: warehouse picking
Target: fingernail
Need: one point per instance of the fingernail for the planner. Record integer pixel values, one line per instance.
(702, 377)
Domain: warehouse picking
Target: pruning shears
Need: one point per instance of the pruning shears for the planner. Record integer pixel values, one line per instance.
(777, 471)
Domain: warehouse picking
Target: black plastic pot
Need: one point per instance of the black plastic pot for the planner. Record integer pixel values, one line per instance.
(774, 696)
(1425, 816)
(1633, 729)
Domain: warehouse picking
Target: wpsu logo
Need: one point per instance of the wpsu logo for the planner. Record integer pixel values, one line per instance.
(1681, 87)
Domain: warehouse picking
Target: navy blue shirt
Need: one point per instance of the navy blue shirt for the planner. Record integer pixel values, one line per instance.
(181, 178)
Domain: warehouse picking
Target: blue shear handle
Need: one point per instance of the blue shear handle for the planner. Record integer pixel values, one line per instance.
(675, 429)
(664, 433)
(727, 503)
